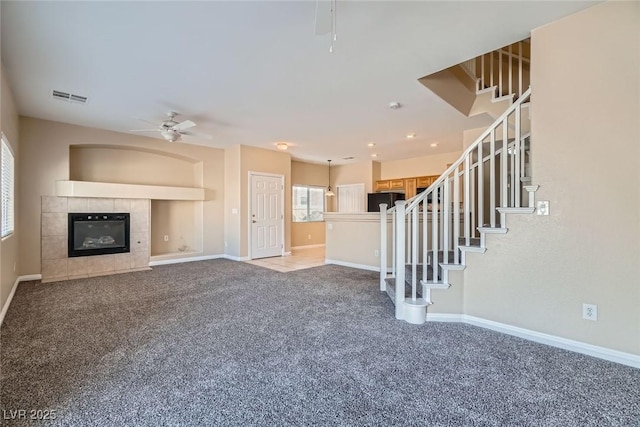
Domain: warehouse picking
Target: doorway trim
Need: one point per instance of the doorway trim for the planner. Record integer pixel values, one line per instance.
(251, 174)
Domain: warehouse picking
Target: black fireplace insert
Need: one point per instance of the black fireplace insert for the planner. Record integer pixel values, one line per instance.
(98, 234)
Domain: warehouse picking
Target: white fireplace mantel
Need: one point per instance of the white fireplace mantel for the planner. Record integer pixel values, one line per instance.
(126, 191)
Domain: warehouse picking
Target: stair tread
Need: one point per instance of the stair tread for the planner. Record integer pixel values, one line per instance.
(493, 230)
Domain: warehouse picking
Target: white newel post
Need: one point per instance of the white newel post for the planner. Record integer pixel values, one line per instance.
(400, 257)
(383, 245)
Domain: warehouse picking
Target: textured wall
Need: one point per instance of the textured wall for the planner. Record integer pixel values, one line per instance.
(586, 158)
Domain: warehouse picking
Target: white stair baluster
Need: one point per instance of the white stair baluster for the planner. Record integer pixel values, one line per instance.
(467, 191)
(456, 215)
(400, 257)
(383, 246)
(480, 203)
(492, 179)
(516, 145)
(414, 253)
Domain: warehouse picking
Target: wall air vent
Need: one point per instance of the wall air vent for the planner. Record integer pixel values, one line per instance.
(68, 97)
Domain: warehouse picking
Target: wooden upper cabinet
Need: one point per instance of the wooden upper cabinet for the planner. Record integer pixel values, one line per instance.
(410, 187)
(383, 185)
(425, 181)
(396, 184)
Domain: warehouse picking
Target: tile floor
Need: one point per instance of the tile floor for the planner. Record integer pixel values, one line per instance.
(298, 260)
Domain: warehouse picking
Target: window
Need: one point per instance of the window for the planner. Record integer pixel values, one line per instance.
(8, 182)
(308, 203)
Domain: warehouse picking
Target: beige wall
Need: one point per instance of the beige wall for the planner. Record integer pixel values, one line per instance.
(45, 154)
(586, 158)
(232, 203)
(180, 221)
(131, 165)
(418, 166)
(9, 245)
(302, 173)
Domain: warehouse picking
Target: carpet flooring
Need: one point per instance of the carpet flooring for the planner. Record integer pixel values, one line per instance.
(232, 344)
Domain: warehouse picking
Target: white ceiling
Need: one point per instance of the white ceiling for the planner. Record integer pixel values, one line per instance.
(255, 73)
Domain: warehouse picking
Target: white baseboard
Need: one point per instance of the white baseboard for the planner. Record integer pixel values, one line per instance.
(319, 245)
(19, 279)
(30, 277)
(352, 265)
(236, 258)
(181, 260)
(552, 340)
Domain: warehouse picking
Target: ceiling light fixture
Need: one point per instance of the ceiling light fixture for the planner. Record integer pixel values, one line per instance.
(371, 144)
(411, 135)
(434, 144)
(329, 193)
(374, 155)
(394, 105)
(282, 146)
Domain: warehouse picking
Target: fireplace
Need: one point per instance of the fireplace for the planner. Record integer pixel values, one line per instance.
(98, 234)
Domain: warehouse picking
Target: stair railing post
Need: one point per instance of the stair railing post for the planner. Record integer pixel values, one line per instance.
(400, 256)
(383, 245)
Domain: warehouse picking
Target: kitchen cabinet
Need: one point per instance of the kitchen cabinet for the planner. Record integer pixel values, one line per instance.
(425, 181)
(409, 185)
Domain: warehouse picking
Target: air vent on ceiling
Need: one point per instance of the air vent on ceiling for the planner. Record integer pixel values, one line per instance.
(348, 158)
(68, 97)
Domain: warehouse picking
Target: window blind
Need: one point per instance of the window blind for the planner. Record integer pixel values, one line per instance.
(8, 184)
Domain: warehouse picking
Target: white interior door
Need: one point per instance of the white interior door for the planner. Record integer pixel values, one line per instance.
(351, 198)
(267, 219)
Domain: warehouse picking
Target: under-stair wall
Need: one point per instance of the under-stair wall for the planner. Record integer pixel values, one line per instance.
(586, 159)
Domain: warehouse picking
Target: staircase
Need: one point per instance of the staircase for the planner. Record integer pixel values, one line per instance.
(486, 84)
(431, 234)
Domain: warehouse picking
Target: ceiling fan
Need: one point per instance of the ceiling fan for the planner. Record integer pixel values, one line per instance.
(172, 130)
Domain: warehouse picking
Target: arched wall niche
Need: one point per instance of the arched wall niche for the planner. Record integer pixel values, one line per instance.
(133, 165)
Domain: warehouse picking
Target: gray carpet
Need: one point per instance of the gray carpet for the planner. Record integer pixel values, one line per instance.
(232, 344)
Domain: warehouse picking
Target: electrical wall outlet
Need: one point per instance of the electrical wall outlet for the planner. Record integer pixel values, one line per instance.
(590, 311)
(166, 238)
(309, 237)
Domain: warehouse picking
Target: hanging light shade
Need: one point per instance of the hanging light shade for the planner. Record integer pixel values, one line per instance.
(330, 193)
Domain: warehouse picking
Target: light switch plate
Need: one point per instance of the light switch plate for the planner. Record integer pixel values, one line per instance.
(542, 207)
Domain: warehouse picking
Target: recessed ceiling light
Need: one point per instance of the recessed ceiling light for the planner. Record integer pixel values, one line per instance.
(434, 144)
(374, 155)
(411, 135)
(371, 144)
(394, 105)
(282, 146)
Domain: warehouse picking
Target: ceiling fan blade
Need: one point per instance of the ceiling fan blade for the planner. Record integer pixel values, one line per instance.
(147, 121)
(323, 17)
(197, 135)
(145, 130)
(184, 125)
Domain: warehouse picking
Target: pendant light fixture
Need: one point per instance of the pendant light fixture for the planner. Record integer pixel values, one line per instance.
(329, 193)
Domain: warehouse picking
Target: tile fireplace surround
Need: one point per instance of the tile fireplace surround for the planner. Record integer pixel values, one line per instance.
(56, 265)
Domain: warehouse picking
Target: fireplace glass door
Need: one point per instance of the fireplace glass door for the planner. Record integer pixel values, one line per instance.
(98, 234)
